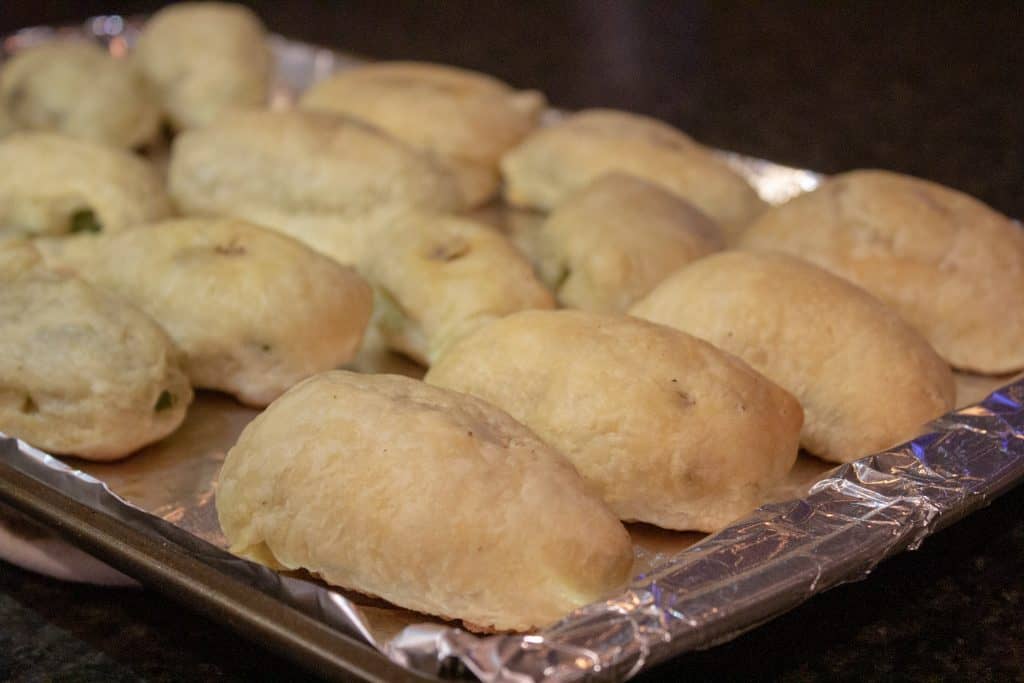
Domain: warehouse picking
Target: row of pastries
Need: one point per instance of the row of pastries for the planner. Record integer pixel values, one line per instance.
(640, 339)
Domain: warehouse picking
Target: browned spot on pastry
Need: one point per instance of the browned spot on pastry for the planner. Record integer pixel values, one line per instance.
(688, 401)
(448, 252)
(29, 405)
(480, 628)
(232, 248)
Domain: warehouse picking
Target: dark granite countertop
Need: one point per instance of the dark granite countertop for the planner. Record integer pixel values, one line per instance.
(932, 89)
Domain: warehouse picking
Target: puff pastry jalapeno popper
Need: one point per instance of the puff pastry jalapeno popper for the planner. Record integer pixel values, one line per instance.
(463, 118)
(951, 266)
(302, 162)
(558, 159)
(203, 58)
(435, 276)
(612, 241)
(439, 277)
(81, 371)
(253, 311)
(667, 428)
(78, 89)
(431, 499)
(52, 184)
(830, 343)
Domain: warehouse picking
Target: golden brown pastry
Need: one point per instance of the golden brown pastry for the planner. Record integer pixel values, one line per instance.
(345, 238)
(435, 276)
(78, 89)
(253, 311)
(17, 255)
(667, 428)
(7, 126)
(56, 184)
(523, 228)
(464, 118)
(203, 58)
(865, 378)
(428, 498)
(82, 372)
(558, 159)
(613, 240)
(302, 162)
(439, 277)
(950, 265)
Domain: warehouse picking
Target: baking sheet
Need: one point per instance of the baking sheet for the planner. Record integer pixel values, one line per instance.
(689, 591)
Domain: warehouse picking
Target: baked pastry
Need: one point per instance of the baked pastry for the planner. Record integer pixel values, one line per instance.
(7, 126)
(345, 238)
(428, 498)
(435, 276)
(203, 58)
(17, 255)
(559, 159)
(439, 277)
(667, 428)
(81, 371)
(464, 118)
(950, 265)
(78, 89)
(302, 162)
(524, 229)
(828, 342)
(57, 184)
(253, 311)
(613, 240)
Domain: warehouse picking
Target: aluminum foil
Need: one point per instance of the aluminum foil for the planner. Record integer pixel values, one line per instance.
(689, 592)
(684, 598)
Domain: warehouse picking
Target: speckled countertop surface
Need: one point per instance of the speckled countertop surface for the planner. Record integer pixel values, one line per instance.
(931, 89)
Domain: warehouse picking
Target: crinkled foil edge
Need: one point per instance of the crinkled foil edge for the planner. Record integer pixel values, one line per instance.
(729, 583)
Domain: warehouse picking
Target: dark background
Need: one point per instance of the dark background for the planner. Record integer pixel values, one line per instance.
(930, 88)
(933, 89)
